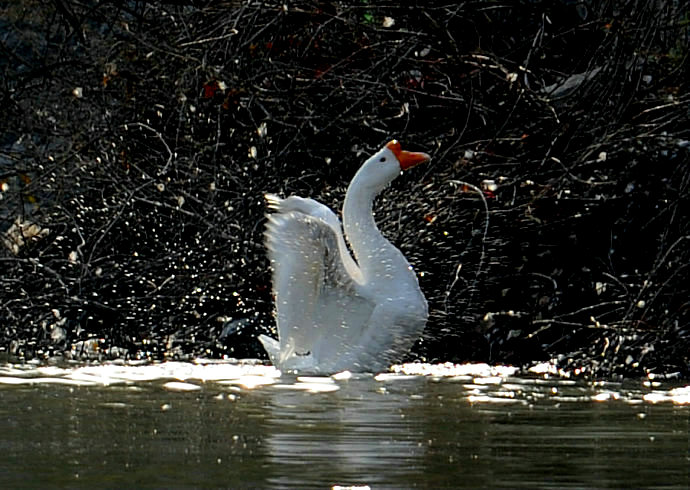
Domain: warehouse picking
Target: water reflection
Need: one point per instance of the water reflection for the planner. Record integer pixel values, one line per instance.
(242, 425)
(358, 434)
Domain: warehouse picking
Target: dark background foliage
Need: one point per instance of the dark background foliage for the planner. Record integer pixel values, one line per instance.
(139, 137)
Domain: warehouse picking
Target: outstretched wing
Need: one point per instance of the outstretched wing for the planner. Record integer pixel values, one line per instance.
(320, 309)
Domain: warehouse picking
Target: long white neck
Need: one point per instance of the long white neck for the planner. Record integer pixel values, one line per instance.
(378, 259)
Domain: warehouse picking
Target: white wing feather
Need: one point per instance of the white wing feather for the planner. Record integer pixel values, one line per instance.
(321, 311)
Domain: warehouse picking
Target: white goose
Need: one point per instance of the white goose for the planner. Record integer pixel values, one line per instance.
(336, 312)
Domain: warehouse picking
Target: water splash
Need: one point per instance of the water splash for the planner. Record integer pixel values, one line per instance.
(477, 383)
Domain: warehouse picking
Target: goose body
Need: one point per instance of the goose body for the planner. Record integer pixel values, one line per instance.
(334, 311)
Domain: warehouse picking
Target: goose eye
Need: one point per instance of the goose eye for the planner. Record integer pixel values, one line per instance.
(382, 159)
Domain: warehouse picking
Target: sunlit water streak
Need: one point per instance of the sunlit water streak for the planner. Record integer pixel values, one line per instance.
(478, 382)
(243, 425)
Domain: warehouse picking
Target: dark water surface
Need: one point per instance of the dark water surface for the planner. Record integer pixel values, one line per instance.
(483, 428)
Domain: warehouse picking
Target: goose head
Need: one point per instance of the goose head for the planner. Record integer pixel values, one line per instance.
(384, 166)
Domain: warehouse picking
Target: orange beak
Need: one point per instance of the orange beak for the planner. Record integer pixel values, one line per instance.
(407, 159)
